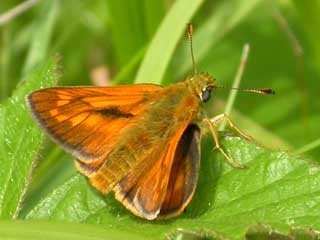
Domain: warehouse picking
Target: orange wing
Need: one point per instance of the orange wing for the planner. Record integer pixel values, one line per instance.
(183, 175)
(167, 186)
(87, 121)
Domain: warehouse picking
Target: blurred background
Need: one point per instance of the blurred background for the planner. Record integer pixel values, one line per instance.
(104, 42)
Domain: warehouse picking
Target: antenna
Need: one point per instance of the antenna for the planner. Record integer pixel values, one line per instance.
(195, 71)
(190, 32)
(257, 90)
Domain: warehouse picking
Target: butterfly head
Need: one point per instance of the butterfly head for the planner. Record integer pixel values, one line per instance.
(202, 85)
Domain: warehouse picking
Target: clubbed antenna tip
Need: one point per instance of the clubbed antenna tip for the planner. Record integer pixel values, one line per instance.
(190, 32)
(268, 91)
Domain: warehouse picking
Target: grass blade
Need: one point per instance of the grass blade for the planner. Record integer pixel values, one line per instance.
(162, 46)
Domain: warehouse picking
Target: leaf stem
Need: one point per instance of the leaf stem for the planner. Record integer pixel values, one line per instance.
(16, 11)
(308, 147)
(236, 83)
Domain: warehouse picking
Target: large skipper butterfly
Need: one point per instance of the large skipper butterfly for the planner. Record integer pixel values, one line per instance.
(140, 141)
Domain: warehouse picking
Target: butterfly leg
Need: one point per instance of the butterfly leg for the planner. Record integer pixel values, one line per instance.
(215, 120)
(216, 140)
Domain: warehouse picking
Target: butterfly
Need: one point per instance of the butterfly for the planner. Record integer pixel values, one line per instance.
(140, 141)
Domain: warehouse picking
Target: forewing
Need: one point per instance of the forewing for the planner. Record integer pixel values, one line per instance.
(88, 121)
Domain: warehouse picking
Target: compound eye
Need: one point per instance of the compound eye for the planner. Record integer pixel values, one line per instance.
(206, 93)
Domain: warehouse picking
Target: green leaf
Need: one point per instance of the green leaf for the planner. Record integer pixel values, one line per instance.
(181, 234)
(266, 232)
(74, 201)
(162, 46)
(254, 232)
(39, 230)
(276, 188)
(19, 141)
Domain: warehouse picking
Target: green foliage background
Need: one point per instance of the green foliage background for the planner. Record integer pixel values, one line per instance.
(145, 41)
